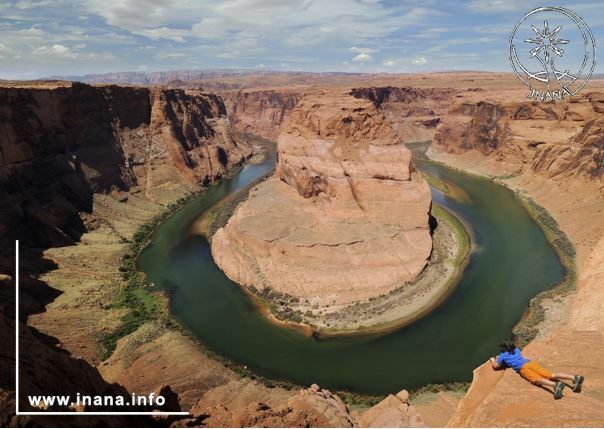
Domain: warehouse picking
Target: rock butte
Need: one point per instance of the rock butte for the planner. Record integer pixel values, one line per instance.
(344, 219)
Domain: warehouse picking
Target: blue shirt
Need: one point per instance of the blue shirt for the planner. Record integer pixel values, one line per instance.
(513, 360)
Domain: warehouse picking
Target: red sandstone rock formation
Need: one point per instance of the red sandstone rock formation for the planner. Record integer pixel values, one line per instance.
(413, 113)
(59, 146)
(313, 407)
(393, 412)
(551, 139)
(260, 112)
(505, 399)
(345, 218)
(47, 370)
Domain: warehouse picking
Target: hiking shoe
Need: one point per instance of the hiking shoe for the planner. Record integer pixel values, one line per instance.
(578, 380)
(558, 390)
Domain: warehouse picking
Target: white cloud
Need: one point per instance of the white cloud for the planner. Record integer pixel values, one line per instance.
(313, 35)
(57, 51)
(33, 31)
(163, 33)
(297, 23)
(28, 4)
(486, 6)
(210, 28)
(363, 50)
(233, 54)
(105, 56)
(428, 33)
(363, 58)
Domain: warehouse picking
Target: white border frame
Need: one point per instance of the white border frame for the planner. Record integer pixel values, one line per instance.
(64, 413)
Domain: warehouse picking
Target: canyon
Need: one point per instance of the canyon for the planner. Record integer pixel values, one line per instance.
(85, 166)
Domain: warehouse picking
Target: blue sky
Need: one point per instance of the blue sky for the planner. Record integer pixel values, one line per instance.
(59, 37)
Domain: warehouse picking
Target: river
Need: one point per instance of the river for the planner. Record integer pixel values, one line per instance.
(510, 263)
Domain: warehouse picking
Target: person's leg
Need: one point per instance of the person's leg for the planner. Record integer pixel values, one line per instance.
(562, 376)
(540, 376)
(545, 382)
(576, 380)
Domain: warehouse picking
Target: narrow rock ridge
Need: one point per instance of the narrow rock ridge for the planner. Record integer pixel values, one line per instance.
(344, 219)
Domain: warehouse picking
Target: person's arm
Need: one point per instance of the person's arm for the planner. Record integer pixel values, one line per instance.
(495, 362)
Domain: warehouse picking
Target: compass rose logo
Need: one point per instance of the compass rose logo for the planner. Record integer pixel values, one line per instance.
(556, 63)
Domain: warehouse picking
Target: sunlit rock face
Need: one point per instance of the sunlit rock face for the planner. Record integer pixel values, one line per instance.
(550, 139)
(345, 217)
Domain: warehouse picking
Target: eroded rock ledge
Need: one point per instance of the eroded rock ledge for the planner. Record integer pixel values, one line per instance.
(344, 219)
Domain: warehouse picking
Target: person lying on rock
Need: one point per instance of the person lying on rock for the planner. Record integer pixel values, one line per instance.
(511, 357)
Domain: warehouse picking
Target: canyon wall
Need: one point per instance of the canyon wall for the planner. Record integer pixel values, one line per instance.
(48, 370)
(77, 158)
(413, 113)
(552, 153)
(344, 219)
(59, 146)
(260, 112)
(550, 139)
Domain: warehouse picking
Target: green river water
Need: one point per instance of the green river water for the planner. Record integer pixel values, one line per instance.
(511, 262)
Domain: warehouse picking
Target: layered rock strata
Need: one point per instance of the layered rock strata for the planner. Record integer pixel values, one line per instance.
(549, 139)
(413, 113)
(92, 163)
(61, 145)
(552, 152)
(260, 112)
(344, 219)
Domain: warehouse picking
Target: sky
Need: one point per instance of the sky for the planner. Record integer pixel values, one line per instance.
(41, 38)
